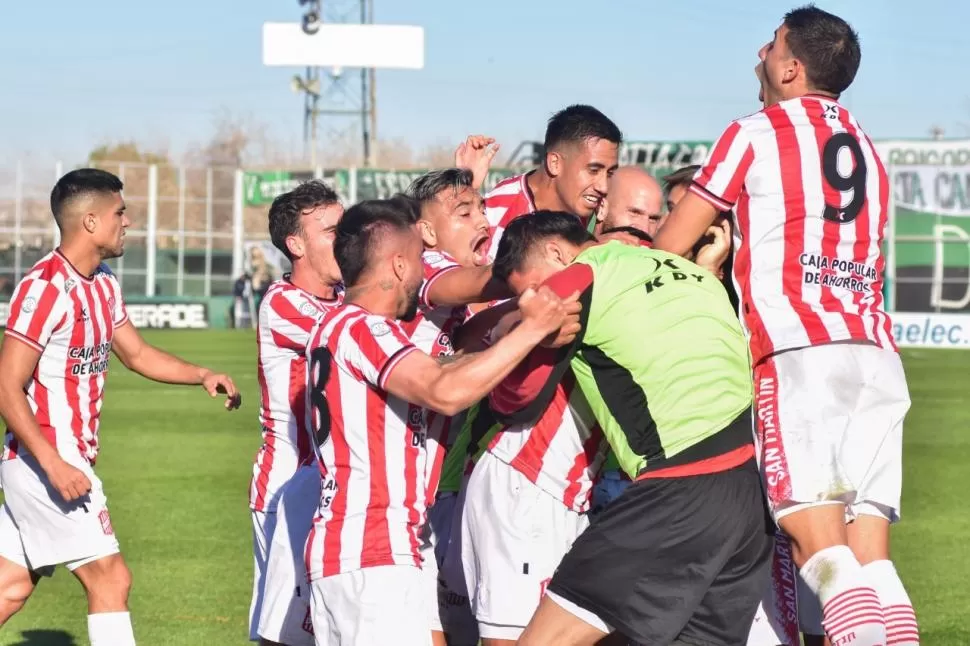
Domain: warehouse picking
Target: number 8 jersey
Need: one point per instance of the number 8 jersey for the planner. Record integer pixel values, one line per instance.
(810, 200)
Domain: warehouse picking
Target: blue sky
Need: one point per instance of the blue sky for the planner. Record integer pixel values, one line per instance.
(76, 74)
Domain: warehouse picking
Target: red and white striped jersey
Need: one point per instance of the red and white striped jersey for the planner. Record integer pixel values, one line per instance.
(432, 331)
(286, 317)
(373, 461)
(70, 319)
(561, 453)
(810, 197)
(511, 198)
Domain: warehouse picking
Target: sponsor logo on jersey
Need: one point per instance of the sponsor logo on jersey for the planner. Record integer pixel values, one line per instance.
(29, 304)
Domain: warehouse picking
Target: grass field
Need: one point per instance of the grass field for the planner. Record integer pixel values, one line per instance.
(176, 468)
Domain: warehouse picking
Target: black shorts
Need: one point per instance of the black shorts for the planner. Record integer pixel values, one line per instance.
(675, 558)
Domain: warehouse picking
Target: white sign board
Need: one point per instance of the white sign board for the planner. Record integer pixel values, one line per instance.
(931, 330)
(343, 45)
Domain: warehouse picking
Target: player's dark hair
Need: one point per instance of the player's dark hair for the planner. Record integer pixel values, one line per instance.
(633, 231)
(576, 124)
(428, 186)
(361, 228)
(81, 183)
(286, 209)
(680, 177)
(524, 233)
(826, 45)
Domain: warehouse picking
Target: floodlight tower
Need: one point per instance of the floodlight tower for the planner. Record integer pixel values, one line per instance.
(338, 34)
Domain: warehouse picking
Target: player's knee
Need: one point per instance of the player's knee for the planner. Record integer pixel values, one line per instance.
(107, 582)
(14, 593)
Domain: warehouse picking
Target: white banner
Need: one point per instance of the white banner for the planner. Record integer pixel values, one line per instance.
(933, 189)
(926, 152)
(931, 330)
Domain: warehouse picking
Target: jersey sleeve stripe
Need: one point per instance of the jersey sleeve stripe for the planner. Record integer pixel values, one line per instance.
(426, 286)
(709, 197)
(24, 339)
(392, 363)
(722, 175)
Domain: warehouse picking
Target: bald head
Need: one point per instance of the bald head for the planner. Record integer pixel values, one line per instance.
(633, 199)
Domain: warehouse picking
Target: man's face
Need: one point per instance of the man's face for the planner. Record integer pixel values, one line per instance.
(774, 68)
(111, 221)
(454, 222)
(545, 259)
(319, 227)
(409, 270)
(634, 204)
(581, 171)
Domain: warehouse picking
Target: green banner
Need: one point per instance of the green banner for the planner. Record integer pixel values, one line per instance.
(261, 187)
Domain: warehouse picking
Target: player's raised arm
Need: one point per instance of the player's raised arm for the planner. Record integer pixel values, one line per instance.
(716, 187)
(465, 285)
(155, 364)
(453, 387)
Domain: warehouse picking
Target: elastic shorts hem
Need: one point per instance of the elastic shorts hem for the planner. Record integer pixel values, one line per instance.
(496, 631)
(73, 565)
(852, 510)
(599, 619)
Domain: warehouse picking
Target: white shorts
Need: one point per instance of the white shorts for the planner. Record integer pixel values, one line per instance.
(285, 613)
(513, 536)
(453, 606)
(830, 428)
(263, 526)
(370, 606)
(39, 530)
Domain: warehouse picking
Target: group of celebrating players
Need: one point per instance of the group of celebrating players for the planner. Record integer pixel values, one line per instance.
(449, 382)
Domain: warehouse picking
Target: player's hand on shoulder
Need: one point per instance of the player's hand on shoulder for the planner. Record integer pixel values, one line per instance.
(570, 327)
(543, 310)
(218, 384)
(69, 481)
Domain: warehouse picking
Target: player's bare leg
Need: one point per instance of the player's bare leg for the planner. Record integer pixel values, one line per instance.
(438, 638)
(16, 585)
(820, 547)
(107, 582)
(553, 625)
(869, 540)
(498, 642)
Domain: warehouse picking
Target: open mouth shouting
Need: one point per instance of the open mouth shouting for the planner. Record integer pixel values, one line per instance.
(479, 247)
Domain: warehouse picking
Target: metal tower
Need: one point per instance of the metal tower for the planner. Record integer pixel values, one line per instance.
(332, 93)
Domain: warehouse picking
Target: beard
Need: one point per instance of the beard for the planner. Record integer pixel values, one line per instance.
(411, 307)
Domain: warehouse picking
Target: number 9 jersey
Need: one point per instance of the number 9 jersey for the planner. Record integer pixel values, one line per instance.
(810, 200)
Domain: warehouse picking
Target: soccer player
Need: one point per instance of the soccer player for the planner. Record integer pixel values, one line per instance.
(369, 386)
(682, 554)
(634, 200)
(581, 151)
(454, 230)
(301, 225)
(810, 198)
(66, 315)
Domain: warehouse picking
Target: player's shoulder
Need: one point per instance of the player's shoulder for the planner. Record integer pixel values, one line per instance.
(437, 259)
(50, 270)
(508, 189)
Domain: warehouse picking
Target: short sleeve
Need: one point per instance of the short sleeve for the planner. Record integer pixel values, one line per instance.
(119, 313)
(37, 310)
(722, 176)
(436, 264)
(378, 346)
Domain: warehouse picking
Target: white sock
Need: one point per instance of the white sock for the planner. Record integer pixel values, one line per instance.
(110, 629)
(901, 627)
(851, 610)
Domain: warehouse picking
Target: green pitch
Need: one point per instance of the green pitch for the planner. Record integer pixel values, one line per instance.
(176, 468)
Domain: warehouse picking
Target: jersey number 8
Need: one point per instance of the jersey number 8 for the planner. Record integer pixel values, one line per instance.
(855, 181)
(319, 375)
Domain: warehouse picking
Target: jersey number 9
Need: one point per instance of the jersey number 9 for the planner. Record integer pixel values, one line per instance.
(854, 182)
